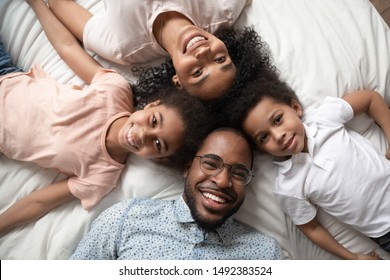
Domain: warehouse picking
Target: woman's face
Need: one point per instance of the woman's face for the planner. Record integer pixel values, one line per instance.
(202, 63)
(155, 132)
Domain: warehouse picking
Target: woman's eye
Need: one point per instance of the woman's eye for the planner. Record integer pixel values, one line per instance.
(154, 121)
(197, 73)
(221, 59)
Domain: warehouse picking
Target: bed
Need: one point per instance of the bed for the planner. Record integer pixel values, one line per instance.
(320, 47)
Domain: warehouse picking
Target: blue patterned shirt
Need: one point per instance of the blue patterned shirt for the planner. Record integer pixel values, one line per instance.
(164, 229)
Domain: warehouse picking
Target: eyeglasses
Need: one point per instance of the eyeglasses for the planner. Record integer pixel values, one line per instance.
(212, 165)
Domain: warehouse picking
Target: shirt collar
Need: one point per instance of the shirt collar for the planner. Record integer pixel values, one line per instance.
(182, 214)
(311, 132)
(225, 231)
(181, 211)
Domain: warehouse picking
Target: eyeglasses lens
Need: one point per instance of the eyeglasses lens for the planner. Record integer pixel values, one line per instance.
(213, 165)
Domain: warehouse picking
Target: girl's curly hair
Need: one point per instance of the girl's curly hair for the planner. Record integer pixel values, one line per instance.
(248, 52)
(197, 118)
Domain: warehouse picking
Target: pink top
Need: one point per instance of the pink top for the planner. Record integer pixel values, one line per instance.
(64, 127)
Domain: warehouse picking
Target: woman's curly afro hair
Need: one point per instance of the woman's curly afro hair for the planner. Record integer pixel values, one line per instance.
(246, 48)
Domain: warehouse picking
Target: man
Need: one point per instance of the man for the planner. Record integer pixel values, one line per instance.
(198, 224)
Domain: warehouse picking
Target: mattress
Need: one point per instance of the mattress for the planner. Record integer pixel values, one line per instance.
(320, 47)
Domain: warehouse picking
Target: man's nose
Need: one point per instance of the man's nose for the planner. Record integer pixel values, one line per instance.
(222, 179)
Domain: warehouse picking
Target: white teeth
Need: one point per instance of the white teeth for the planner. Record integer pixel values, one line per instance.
(129, 137)
(214, 197)
(194, 40)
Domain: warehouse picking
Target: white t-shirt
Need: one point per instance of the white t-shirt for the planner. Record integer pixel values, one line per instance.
(342, 173)
(124, 33)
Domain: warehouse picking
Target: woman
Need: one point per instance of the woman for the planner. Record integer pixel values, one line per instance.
(135, 31)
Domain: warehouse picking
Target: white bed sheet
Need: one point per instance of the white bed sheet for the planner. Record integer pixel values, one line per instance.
(320, 47)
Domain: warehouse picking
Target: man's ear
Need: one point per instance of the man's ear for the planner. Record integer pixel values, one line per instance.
(187, 169)
(151, 104)
(176, 82)
(297, 107)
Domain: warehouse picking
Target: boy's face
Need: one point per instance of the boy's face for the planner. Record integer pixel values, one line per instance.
(276, 128)
(154, 132)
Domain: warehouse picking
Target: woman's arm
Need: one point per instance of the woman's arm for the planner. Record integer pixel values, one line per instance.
(65, 42)
(35, 205)
(72, 15)
(320, 236)
(370, 102)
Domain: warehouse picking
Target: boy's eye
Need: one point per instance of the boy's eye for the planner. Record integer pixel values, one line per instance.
(263, 138)
(221, 59)
(278, 119)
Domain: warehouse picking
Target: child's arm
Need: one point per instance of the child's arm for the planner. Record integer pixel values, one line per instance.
(72, 15)
(370, 102)
(320, 236)
(65, 42)
(35, 205)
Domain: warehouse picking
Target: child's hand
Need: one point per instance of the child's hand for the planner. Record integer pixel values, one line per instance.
(369, 256)
(388, 153)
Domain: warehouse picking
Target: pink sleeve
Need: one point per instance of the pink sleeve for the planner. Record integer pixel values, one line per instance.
(88, 194)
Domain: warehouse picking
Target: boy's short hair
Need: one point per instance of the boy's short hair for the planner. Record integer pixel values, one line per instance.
(237, 107)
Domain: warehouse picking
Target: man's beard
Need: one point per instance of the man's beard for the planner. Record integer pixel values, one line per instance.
(203, 222)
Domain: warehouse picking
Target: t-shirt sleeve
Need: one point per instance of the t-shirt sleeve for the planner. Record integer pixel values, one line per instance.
(110, 82)
(89, 194)
(334, 110)
(109, 76)
(300, 210)
(99, 38)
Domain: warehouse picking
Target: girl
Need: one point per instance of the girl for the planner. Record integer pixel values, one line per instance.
(135, 31)
(86, 134)
(320, 162)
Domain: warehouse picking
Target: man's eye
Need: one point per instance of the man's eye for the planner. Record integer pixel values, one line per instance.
(210, 165)
(239, 175)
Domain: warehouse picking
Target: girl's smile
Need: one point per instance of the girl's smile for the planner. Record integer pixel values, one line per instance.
(154, 132)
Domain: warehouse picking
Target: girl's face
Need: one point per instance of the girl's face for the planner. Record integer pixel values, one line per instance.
(276, 128)
(202, 63)
(155, 132)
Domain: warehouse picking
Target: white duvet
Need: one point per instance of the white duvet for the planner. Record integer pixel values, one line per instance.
(320, 47)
